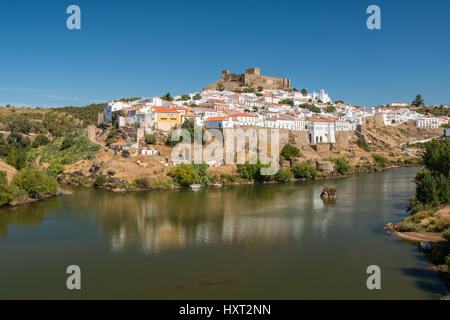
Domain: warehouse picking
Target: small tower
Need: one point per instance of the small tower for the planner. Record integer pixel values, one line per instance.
(225, 74)
(255, 71)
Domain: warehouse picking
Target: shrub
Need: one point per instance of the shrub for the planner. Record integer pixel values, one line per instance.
(150, 139)
(82, 148)
(310, 107)
(142, 183)
(203, 175)
(432, 189)
(341, 165)
(304, 170)
(36, 183)
(184, 174)
(16, 158)
(289, 152)
(55, 169)
(40, 140)
(381, 160)
(362, 143)
(6, 192)
(437, 157)
(3, 178)
(100, 180)
(405, 227)
(284, 175)
(67, 143)
(252, 171)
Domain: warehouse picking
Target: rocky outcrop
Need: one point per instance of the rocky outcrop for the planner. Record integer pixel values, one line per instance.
(329, 194)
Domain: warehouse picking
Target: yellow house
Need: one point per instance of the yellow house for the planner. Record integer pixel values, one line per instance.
(166, 115)
(166, 118)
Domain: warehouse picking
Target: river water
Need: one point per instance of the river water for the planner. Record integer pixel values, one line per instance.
(241, 242)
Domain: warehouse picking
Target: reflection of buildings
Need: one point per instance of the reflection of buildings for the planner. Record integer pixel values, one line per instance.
(239, 216)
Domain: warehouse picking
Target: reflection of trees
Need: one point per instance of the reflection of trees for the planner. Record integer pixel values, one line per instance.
(25, 215)
(153, 221)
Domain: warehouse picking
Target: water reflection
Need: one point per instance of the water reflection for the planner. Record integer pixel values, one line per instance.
(213, 240)
(253, 216)
(212, 217)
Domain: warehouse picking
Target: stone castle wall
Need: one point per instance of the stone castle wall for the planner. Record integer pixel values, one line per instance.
(251, 78)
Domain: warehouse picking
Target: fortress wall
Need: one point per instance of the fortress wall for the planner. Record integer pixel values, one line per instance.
(343, 138)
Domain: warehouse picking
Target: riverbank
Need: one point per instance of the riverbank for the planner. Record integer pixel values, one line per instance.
(113, 184)
(433, 227)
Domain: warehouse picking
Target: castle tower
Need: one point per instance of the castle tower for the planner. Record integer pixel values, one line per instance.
(255, 71)
(225, 73)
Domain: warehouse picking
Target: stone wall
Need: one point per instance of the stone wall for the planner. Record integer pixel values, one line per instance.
(343, 138)
(251, 78)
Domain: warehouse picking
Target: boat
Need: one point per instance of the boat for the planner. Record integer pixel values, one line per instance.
(195, 186)
(426, 246)
(217, 185)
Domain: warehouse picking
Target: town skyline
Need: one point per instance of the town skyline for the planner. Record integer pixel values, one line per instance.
(128, 51)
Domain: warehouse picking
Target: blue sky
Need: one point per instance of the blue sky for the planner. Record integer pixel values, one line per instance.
(146, 48)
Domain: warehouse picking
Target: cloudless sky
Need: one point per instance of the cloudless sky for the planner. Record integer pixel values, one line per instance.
(149, 47)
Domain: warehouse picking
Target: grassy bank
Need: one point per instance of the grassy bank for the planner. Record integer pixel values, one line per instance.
(429, 209)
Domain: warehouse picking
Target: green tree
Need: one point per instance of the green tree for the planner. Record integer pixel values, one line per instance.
(150, 138)
(304, 92)
(330, 109)
(6, 191)
(40, 140)
(167, 97)
(304, 170)
(184, 174)
(35, 182)
(16, 158)
(288, 102)
(67, 143)
(55, 169)
(418, 102)
(289, 152)
(381, 160)
(284, 175)
(341, 165)
(437, 157)
(310, 107)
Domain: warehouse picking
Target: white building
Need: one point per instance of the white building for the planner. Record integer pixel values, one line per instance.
(321, 131)
(427, 122)
(219, 122)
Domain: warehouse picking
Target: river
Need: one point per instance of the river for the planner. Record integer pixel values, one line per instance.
(239, 242)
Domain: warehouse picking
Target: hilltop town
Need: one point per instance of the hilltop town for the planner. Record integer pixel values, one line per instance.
(128, 140)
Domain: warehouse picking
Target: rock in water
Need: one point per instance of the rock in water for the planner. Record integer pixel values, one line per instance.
(328, 194)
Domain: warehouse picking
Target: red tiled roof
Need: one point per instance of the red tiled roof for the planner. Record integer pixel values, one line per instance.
(242, 115)
(163, 109)
(118, 143)
(216, 119)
